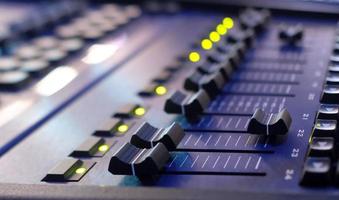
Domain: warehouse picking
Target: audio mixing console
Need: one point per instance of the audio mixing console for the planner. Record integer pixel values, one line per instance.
(169, 100)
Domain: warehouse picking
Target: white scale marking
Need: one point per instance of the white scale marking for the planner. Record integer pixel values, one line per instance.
(248, 140)
(236, 143)
(210, 122)
(217, 140)
(248, 162)
(258, 163)
(216, 161)
(195, 144)
(183, 162)
(219, 122)
(188, 139)
(200, 123)
(236, 164)
(209, 138)
(175, 157)
(228, 159)
(288, 89)
(195, 160)
(228, 123)
(203, 165)
(229, 137)
(238, 122)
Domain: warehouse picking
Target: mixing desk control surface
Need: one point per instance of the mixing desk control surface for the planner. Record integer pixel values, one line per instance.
(168, 101)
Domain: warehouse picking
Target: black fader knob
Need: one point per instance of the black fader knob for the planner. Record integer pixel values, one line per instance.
(147, 136)
(232, 51)
(190, 106)
(254, 19)
(209, 68)
(291, 34)
(212, 84)
(262, 123)
(238, 36)
(130, 160)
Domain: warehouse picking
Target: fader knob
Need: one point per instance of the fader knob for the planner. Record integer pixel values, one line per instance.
(147, 136)
(262, 123)
(189, 106)
(238, 36)
(291, 34)
(130, 160)
(254, 19)
(210, 68)
(212, 84)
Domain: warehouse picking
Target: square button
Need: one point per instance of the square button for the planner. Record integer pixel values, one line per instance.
(325, 128)
(322, 147)
(316, 172)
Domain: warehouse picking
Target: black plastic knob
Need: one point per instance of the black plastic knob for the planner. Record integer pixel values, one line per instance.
(130, 160)
(235, 36)
(254, 19)
(263, 123)
(210, 68)
(291, 34)
(212, 84)
(190, 106)
(147, 136)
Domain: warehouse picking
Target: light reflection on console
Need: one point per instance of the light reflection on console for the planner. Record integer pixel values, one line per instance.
(56, 80)
(98, 53)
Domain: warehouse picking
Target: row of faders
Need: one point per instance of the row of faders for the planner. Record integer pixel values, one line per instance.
(215, 67)
(150, 148)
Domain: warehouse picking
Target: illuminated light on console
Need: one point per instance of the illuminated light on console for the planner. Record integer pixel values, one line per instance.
(160, 90)
(122, 128)
(81, 170)
(55, 80)
(139, 111)
(214, 36)
(228, 22)
(206, 44)
(103, 148)
(221, 29)
(194, 57)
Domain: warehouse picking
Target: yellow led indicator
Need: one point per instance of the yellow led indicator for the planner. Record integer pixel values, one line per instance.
(206, 44)
(221, 29)
(160, 90)
(214, 36)
(228, 22)
(80, 170)
(103, 148)
(139, 111)
(194, 56)
(123, 128)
